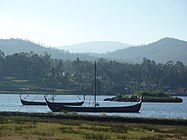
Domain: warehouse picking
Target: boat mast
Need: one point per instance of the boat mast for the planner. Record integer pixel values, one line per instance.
(53, 75)
(95, 84)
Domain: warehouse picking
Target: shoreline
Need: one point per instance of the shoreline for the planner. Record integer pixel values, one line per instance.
(51, 126)
(41, 93)
(101, 118)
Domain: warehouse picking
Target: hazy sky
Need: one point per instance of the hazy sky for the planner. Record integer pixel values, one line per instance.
(65, 22)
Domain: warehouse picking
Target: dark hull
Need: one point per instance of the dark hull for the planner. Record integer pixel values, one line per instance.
(55, 103)
(32, 102)
(56, 107)
(122, 109)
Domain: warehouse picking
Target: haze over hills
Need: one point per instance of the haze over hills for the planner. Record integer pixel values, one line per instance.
(164, 50)
(94, 47)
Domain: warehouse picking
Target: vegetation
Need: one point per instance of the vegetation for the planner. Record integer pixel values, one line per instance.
(154, 96)
(45, 128)
(33, 72)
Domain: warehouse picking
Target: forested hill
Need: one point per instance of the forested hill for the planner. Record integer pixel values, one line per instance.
(11, 46)
(162, 51)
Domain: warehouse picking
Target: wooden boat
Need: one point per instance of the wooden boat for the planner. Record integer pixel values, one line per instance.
(56, 106)
(121, 109)
(95, 108)
(24, 102)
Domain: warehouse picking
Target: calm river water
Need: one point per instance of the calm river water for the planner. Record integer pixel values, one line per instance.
(11, 102)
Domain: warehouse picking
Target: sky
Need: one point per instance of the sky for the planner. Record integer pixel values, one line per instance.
(67, 22)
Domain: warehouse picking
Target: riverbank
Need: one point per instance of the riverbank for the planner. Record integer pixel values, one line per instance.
(49, 126)
(75, 116)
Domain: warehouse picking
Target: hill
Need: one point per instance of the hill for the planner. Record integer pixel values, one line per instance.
(95, 47)
(11, 46)
(162, 51)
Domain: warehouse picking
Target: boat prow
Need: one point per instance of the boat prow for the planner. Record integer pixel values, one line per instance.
(56, 106)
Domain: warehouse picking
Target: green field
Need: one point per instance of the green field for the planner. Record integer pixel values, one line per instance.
(53, 128)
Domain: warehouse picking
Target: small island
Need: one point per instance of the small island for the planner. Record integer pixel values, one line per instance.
(147, 97)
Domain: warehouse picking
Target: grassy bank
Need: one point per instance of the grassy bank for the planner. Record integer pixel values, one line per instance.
(74, 127)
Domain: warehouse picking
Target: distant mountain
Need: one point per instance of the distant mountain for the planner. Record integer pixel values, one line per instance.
(95, 47)
(11, 46)
(162, 51)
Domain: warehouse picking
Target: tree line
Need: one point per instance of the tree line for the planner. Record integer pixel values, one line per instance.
(112, 77)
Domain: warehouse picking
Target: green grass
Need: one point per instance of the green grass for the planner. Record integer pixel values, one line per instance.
(20, 81)
(55, 128)
(153, 94)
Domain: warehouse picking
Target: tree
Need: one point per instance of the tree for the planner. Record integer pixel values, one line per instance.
(2, 57)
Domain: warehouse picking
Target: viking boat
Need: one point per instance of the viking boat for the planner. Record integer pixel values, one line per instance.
(95, 108)
(26, 102)
(56, 106)
(119, 109)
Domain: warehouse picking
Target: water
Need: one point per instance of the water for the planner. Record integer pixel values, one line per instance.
(11, 102)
